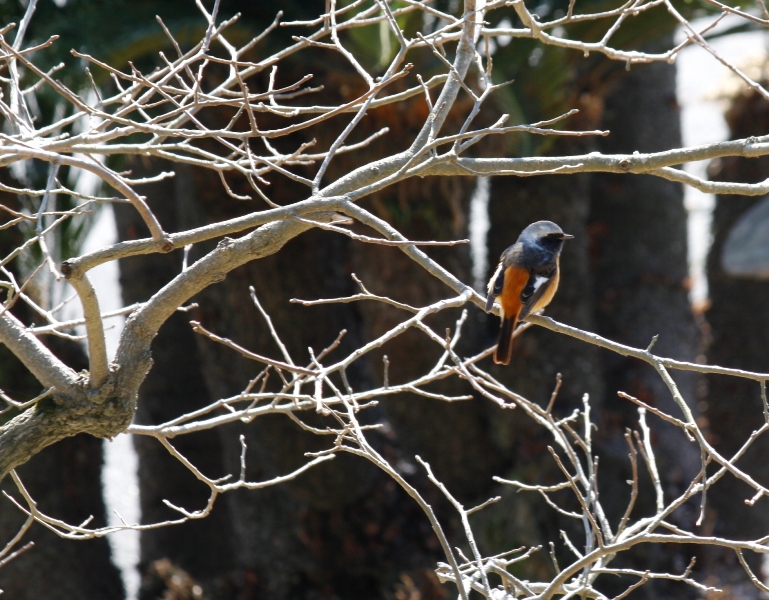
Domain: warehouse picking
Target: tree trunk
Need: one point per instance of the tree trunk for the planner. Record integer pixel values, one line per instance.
(538, 356)
(452, 437)
(638, 243)
(738, 322)
(343, 528)
(174, 386)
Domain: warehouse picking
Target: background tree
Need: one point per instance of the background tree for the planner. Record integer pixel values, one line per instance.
(735, 330)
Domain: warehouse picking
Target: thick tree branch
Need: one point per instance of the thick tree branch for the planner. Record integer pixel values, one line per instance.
(142, 326)
(57, 417)
(77, 267)
(41, 362)
(97, 345)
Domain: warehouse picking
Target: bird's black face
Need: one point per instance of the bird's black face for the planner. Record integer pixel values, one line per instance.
(554, 241)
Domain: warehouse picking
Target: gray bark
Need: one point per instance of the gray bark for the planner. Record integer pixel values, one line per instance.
(64, 480)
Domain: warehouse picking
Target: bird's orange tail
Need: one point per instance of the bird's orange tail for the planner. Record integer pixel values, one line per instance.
(504, 349)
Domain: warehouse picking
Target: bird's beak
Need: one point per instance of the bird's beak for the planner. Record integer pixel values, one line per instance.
(567, 236)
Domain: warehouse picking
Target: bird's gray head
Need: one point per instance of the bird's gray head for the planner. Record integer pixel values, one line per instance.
(546, 234)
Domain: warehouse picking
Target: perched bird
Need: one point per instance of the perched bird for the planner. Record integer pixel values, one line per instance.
(525, 280)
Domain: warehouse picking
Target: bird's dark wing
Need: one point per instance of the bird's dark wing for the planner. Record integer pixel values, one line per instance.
(496, 285)
(536, 287)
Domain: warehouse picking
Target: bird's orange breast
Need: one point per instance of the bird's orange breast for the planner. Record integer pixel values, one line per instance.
(510, 298)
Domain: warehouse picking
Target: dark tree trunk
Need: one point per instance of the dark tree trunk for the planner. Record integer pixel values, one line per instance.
(538, 356)
(638, 240)
(282, 535)
(173, 387)
(65, 482)
(344, 528)
(739, 322)
(453, 437)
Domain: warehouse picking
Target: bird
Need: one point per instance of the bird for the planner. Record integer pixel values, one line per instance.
(525, 280)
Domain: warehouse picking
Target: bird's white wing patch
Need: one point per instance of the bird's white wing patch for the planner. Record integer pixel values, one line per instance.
(493, 279)
(538, 281)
